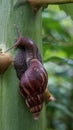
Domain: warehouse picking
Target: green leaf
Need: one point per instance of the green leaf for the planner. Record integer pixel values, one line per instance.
(60, 60)
(68, 8)
(62, 108)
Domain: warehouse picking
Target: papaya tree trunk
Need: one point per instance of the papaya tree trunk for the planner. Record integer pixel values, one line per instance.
(14, 114)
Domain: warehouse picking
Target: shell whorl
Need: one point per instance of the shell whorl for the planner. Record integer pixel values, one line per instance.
(32, 86)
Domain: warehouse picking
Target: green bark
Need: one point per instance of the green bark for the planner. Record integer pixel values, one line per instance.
(14, 114)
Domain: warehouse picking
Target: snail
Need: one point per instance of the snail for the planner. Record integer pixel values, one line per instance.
(31, 73)
(5, 61)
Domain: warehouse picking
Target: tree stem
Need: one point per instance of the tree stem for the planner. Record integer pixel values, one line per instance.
(40, 2)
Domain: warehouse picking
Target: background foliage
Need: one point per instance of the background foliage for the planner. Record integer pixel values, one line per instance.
(57, 36)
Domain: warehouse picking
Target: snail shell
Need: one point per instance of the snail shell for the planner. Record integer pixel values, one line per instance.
(32, 86)
(5, 61)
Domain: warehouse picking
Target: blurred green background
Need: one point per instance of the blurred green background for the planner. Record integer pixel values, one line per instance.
(57, 37)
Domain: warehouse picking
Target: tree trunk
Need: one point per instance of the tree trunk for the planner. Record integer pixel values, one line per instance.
(14, 114)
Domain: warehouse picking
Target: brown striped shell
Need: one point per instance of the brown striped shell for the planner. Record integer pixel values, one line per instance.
(32, 86)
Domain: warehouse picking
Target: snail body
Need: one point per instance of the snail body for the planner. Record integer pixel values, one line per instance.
(33, 80)
(20, 62)
(21, 59)
(31, 73)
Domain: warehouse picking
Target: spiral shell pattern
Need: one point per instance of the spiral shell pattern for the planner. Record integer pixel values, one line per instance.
(32, 86)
